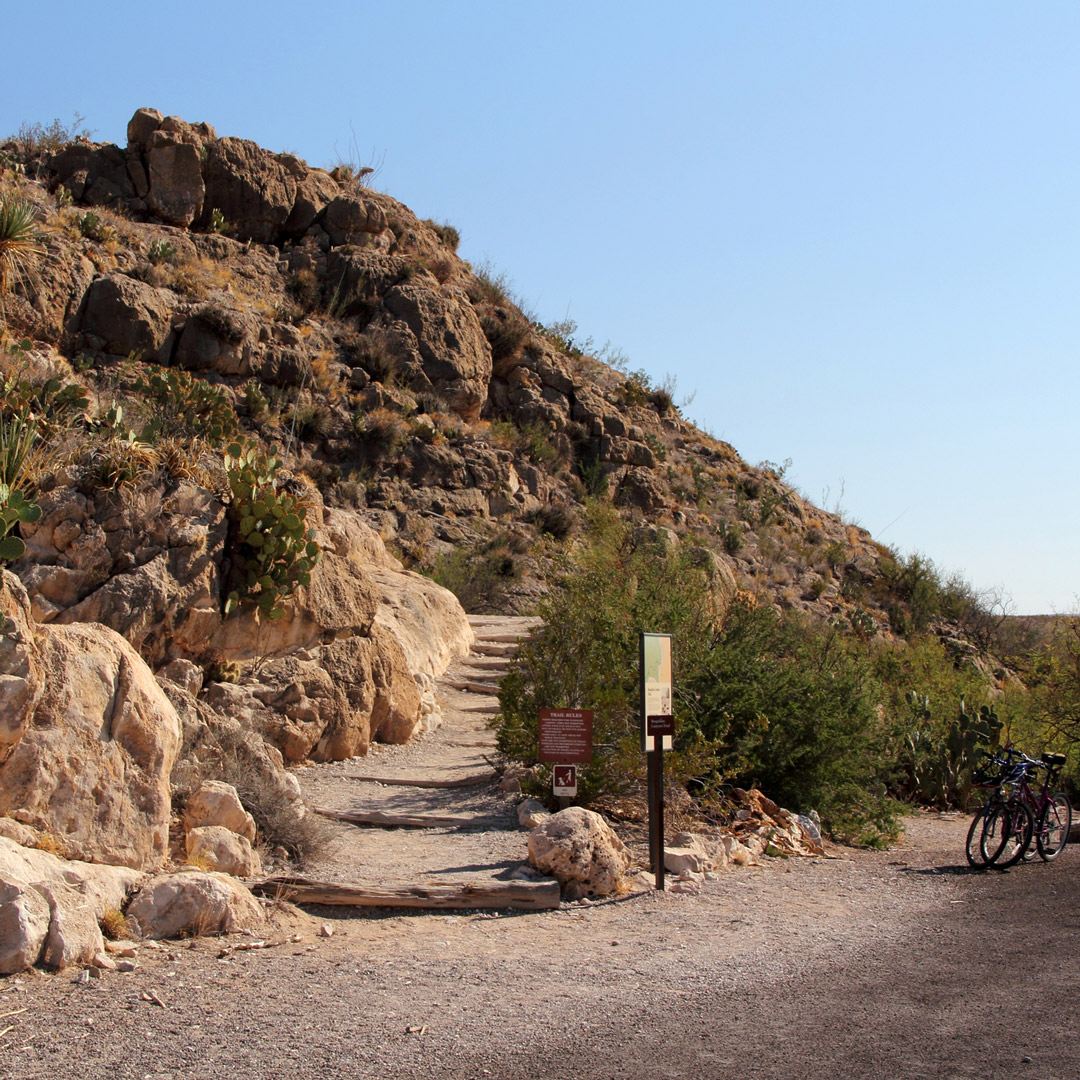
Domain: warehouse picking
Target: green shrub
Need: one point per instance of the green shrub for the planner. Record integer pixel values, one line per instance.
(276, 554)
(93, 228)
(479, 575)
(731, 536)
(182, 406)
(760, 699)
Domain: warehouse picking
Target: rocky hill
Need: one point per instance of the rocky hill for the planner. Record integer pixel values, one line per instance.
(253, 396)
(396, 379)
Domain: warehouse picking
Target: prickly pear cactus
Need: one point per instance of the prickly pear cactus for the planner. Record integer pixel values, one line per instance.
(941, 768)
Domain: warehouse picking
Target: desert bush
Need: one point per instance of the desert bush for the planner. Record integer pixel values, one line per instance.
(383, 433)
(760, 699)
(93, 227)
(489, 285)
(730, 536)
(506, 330)
(557, 519)
(305, 288)
(479, 575)
(160, 251)
(447, 234)
(35, 139)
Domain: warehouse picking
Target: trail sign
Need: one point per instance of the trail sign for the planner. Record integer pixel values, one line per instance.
(657, 733)
(660, 725)
(566, 736)
(564, 781)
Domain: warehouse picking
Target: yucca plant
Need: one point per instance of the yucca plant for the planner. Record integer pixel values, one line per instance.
(19, 242)
(17, 434)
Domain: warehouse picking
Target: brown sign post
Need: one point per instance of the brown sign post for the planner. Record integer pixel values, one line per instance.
(565, 743)
(657, 730)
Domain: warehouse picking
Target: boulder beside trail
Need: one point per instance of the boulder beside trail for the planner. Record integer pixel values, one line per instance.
(217, 848)
(91, 768)
(194, 902)
(50, 907)
(578, 848)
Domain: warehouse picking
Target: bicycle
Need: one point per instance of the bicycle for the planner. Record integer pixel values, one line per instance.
(1001, 832)
(1052, 812)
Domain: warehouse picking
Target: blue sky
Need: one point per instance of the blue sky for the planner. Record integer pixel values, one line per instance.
(851, 229)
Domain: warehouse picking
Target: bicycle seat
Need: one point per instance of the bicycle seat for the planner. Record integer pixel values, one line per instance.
(1053, 760)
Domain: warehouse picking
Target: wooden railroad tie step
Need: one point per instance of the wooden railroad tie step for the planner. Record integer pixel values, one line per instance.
(412, 821)
(413, 781)
(523, 895)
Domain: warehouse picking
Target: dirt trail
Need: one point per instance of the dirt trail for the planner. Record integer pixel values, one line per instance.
(899, 964)
(462, 747)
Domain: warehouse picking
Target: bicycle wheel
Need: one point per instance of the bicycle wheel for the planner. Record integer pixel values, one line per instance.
(976, 854)
(1052, 831)
(1007, 835)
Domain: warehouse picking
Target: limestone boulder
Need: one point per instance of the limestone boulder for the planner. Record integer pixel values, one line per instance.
(314, 190)
(254, 192)
(176, 190)
(216, 848)
(578, 848)
(447, 335)
(194, 902)
(215, 803)
(22, 680)
(348, 219)
(92, 768)
(331, 703)
(122, 316)
(531, 813)
(50, 907)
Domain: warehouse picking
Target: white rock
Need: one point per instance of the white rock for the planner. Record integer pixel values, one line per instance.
(532, 812)
(194, 902)
(93, 765)
(678, 859)
(50, 907)
(578, 847)
(218, 848)
(216, 803)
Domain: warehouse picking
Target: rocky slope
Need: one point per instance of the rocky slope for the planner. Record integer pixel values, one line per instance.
(187, 300)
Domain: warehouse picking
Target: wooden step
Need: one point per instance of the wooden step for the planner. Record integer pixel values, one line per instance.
(382, 820)
(491, 689)
(521, 895)
(475, 780)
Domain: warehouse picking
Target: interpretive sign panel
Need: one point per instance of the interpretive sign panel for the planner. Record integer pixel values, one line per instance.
(566, 736)
(656, 687)
(564, 781)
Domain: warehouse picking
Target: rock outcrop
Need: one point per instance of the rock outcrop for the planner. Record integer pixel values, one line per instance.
(91, 763)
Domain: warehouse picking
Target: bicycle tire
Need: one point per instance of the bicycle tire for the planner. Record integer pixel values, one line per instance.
(1009, 831)
(976, 853)
(1054, 825)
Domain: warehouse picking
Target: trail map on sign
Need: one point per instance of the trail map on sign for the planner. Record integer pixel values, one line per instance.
(657, 675)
